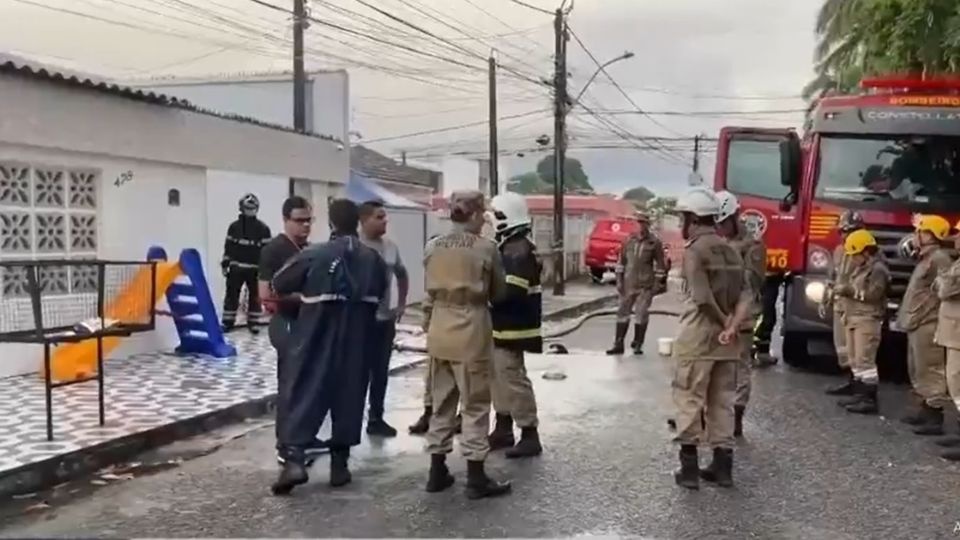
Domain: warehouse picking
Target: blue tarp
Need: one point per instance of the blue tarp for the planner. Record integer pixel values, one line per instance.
(361, 188)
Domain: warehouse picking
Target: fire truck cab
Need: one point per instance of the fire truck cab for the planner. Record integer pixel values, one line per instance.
(889, 152)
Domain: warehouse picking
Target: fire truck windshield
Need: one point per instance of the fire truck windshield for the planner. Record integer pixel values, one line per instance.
(916, 171)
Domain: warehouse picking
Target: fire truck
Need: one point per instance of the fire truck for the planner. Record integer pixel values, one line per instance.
(889, 152)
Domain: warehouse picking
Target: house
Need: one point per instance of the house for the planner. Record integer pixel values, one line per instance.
(91, 169)
(415, 183)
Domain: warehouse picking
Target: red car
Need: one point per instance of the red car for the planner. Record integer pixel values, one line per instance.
(606, 239)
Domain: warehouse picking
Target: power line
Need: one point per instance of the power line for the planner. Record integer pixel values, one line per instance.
(454, 128)
(535, 8)
(700, 113)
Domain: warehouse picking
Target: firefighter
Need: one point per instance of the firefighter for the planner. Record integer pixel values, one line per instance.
(241, 260)
(850, 221)
(754, 255)
(865, 299)
(947, 287)
(340, 284)
(918, 317)
(640, 271)
(706, 368)
(464, 274)
(516, 329)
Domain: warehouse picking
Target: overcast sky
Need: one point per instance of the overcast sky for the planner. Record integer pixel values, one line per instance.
(691, 56)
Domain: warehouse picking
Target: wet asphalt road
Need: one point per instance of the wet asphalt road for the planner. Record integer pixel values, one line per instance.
(806, 469)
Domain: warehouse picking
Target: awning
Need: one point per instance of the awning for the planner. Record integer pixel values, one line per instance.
(361, 188)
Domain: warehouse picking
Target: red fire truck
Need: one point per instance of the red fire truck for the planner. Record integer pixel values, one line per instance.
(888, 152)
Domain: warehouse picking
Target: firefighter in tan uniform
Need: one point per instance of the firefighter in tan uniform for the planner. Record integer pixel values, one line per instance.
(706, 369)
(947, 287)
(464, 274)
(640, 271)
(754, 255)
(865, 299)
(850, 221)
(918, 317)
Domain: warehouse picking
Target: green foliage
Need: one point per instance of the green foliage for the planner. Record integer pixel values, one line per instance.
(639, 194)
(575, 179)
(528, 184)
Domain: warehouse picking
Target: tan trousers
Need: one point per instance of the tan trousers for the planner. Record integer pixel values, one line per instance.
(840, 340)
(863, 340)
(927, 362)
(705, 385)
(512, 389)
(744, 370)
(637, 303)
(953, 375)
(427, 382)
(466, 383)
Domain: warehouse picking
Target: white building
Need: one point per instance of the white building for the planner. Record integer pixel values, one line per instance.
(90, 169)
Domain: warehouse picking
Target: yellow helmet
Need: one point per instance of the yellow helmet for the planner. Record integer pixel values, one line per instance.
(933, 224)
(858, 241)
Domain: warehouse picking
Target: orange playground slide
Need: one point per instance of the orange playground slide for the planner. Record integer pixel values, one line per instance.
(74, 361)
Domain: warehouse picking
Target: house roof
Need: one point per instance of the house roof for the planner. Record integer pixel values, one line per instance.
(225, 78)
(17, 65)
(377, 166)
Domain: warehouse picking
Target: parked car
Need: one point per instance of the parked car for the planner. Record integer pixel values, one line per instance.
(603, 245)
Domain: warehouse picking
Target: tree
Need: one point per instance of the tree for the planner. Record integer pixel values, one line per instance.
(575, 179)
(528, 184)
(639, 194)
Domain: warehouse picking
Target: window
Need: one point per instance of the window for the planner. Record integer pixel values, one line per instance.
(173, 197)
(753, 168)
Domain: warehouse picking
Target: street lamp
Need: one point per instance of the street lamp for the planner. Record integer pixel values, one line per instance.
(625, 56)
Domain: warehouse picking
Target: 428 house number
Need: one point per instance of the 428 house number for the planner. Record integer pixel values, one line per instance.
(123, 178)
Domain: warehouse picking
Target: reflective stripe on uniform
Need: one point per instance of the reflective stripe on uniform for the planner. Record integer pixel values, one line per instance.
(329, 297)
(869, 376)
(243, 265)
(245, 241)
(536, 290)
(516, 334)
(518, 281)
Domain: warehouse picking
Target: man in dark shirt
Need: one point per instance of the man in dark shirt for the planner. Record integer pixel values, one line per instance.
(297, 219)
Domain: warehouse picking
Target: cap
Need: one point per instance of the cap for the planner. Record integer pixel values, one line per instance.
(467, 202)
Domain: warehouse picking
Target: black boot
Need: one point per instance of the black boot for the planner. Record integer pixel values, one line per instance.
(422, 425)
(720, 471)
(868, 400)
(932, 422)
(689, 474)
(855, 397)
(738, 411)
(339, 473)
(618, 339)
(639, 334)
(502, 435)
(952, 454)
(950, 441)
(293, 474)
(480, 486)
(845, 389)
(459, 429)
(529, 445)
(440, 477)
(915, 414)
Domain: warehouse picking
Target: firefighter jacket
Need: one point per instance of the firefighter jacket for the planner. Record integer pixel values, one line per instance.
(712, 285)
(947, 287)
(641, 264)
(920, 303)
(464, 275)
(245, 238)
(839, 278)
(516, 317)
(754, 255)
(865, 295)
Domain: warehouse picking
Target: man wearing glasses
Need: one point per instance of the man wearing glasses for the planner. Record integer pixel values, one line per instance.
(297, 220)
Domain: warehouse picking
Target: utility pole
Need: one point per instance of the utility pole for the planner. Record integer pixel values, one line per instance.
(559, 144)
(494, 149)
(696, 153)
(299, 77)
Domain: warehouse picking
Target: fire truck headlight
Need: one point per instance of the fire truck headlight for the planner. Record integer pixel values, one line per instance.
(815, 291)
(818, 259)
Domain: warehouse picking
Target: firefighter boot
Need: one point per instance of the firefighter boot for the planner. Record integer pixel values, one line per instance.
(639, 335)
(689, 474)
(618, 339)
(868, 401)
(293, 474)
(950, 441)
(845, 389)
(720, 471)
(440, 478)
(915, 413)
(422, 425)
(459, 429)
(932, 422)
(502, 435)
(855, 397)
(339, 472)
(953, 454)
(738, 411)
(529, 445)
(480, 486)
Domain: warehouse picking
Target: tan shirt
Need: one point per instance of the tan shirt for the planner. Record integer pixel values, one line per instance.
(713, 281)
(920, 303)
(868, 291)
(754, 255)
(839, 276)
(464, 274)
(641, 262)
(947, 286)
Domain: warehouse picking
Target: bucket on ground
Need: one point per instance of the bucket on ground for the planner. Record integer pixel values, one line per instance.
(665, 346)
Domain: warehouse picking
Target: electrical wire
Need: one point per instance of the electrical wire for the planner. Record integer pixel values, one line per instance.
(453, 128)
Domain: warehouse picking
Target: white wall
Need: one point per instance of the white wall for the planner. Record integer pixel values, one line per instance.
(406, 228)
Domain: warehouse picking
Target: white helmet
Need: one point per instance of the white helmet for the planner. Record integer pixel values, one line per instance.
(249, 204)
(699, 202)
(509, 212)
(729, 205)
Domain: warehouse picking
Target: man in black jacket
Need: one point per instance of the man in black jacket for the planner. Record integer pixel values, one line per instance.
(516, 329)
(241, 260)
